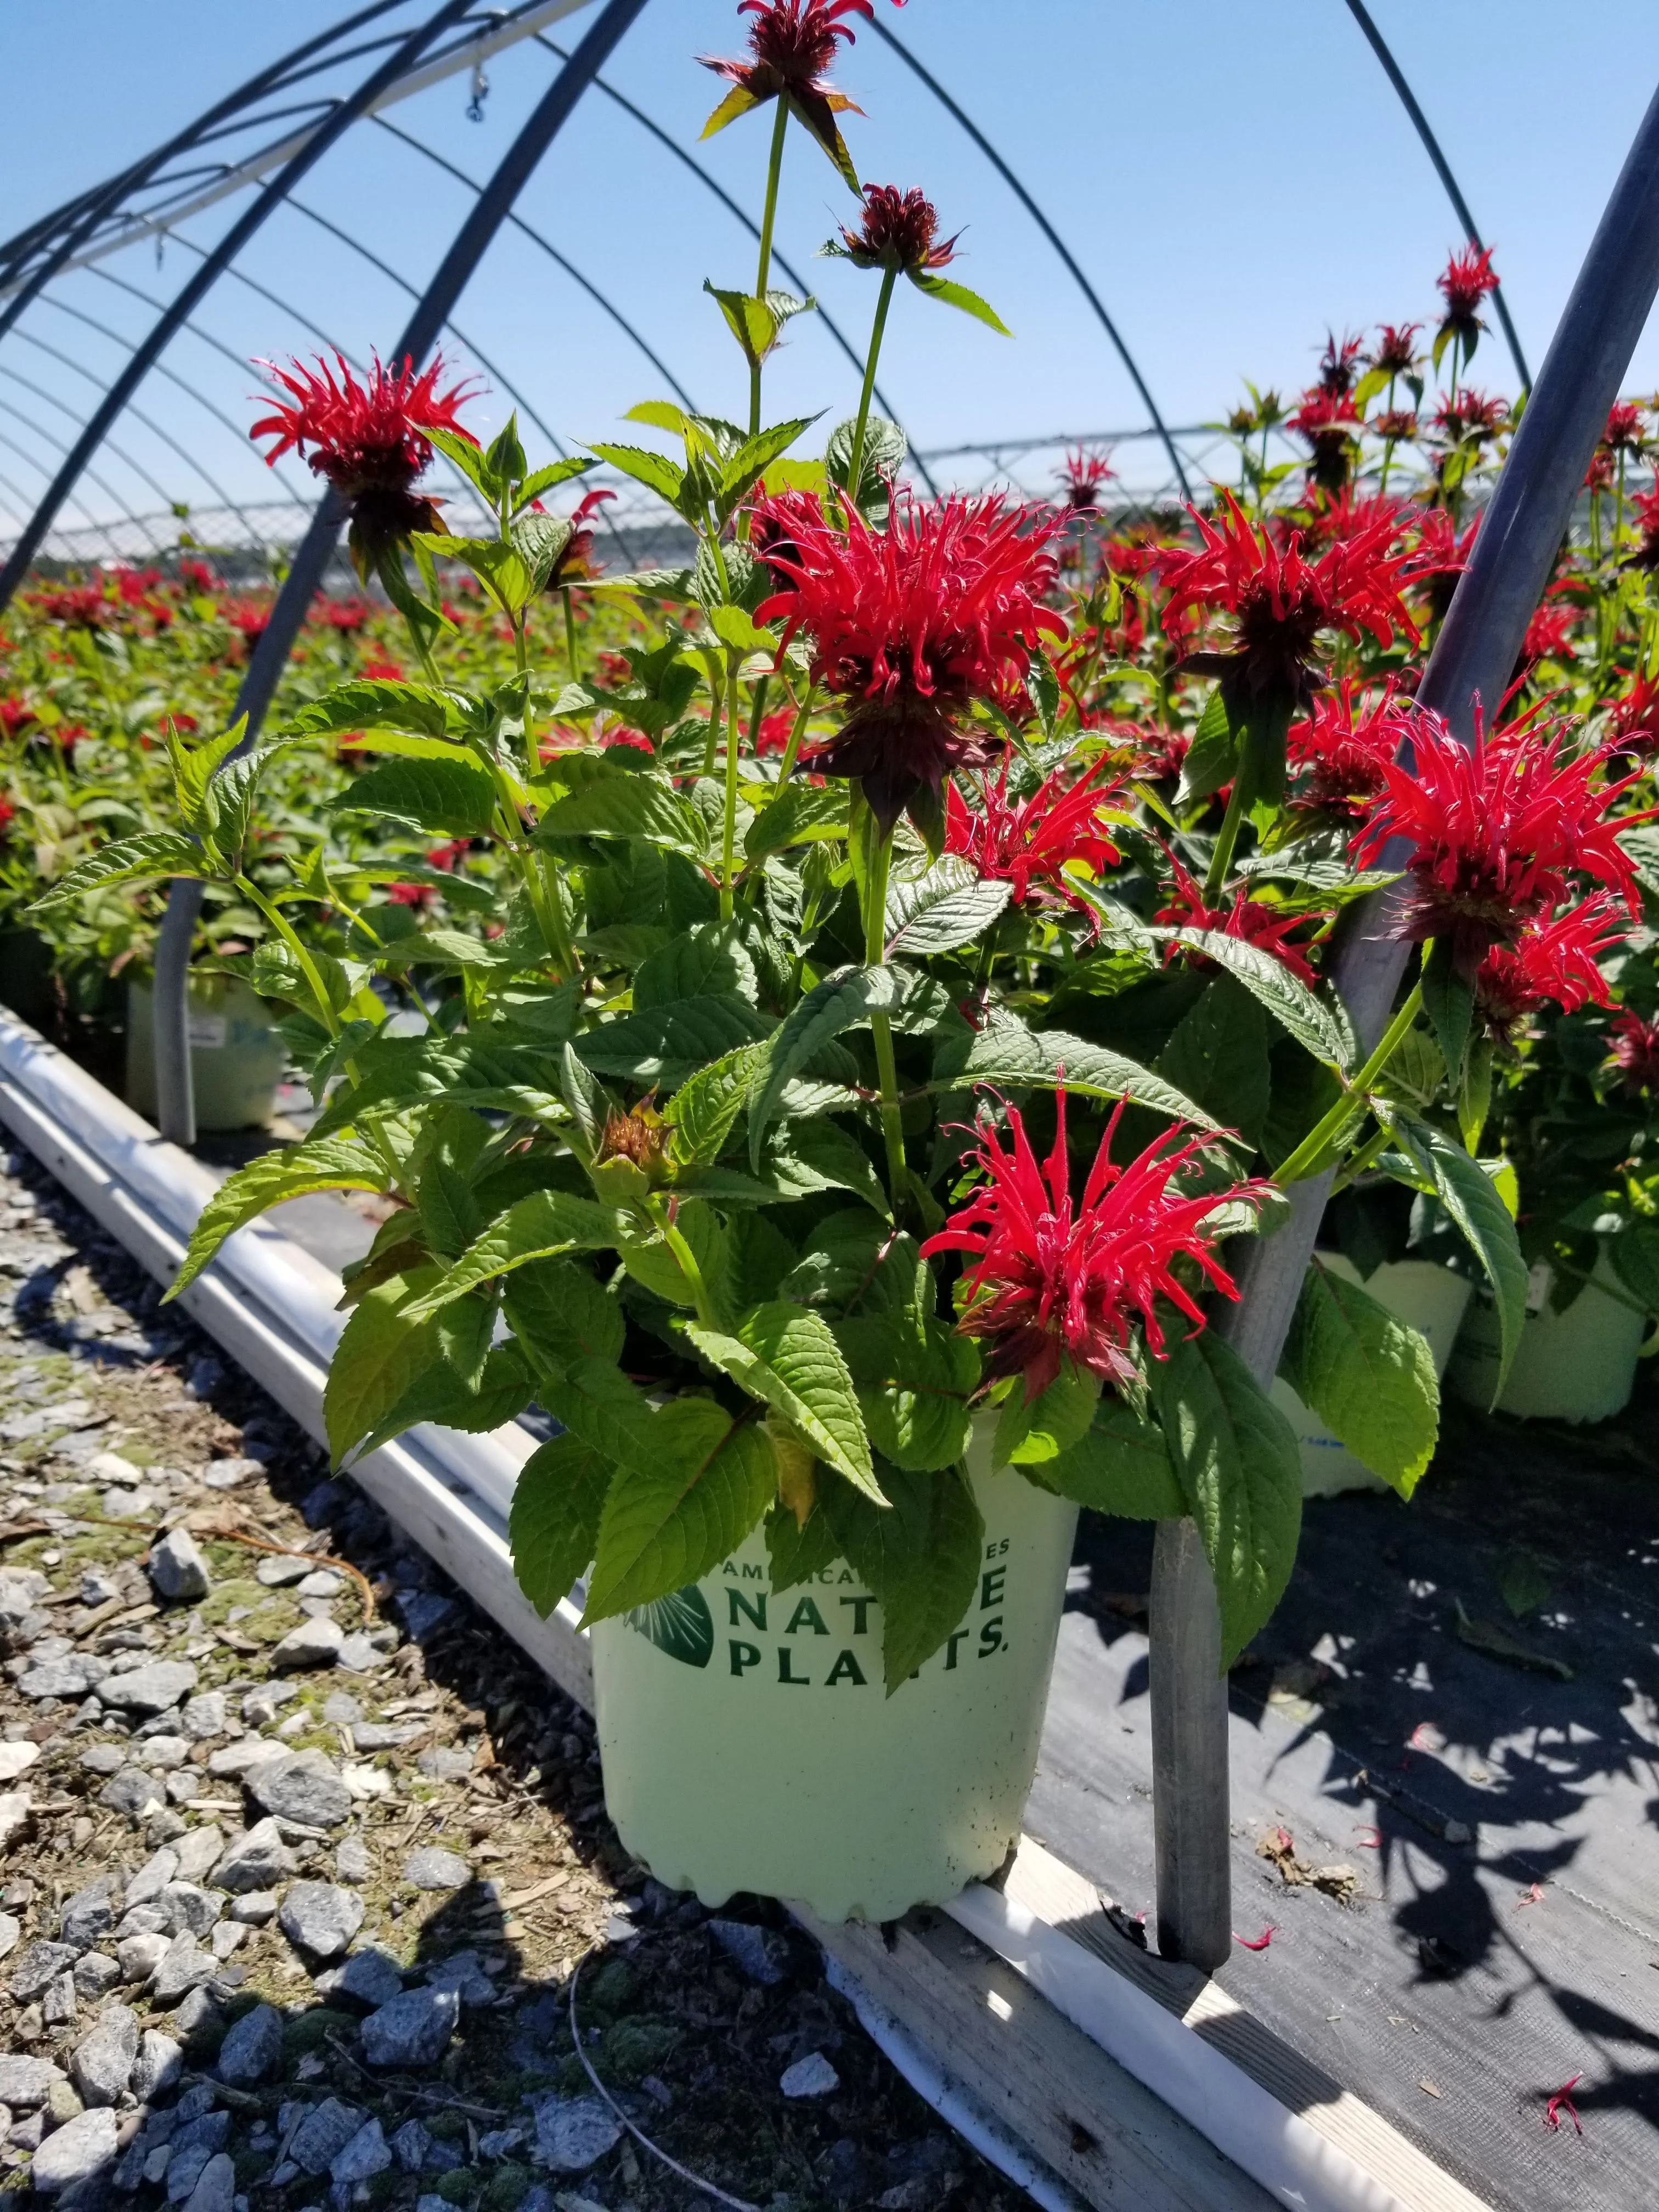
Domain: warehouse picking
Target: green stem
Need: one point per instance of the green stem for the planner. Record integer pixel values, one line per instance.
(768, 215)
(572, 654)
(879, 863)
(1308, 1157)
(1232, 822)
(855, 461)
(729, 828)
(274, 914)
(687, 1260)
(793, 749)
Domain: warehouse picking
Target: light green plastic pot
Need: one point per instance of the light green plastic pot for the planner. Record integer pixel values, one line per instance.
(749, 1743)
(1432, 1300)
(236, 1057)
(1579, 1365)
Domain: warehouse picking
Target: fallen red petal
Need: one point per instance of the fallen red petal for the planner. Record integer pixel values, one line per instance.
(1534, 1895)
(1371, 1839)
(1270, 1928)
(1562, 2102)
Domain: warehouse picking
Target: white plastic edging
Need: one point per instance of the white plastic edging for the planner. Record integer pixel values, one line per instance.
(1246, 2122)
(949, 2099)
(272, 1307)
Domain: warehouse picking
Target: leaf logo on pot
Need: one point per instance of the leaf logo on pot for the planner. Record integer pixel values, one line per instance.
(681, 1624)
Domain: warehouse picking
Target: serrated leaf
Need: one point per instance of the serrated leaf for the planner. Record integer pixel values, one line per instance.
(1320, 1025)
(942, 910)
(595, 1401)
(1121, 1466)
(328, 1164)
(374, 703)
(1235, 1458)
(1449, 1002)
(640, 805)
(785, 1355)
(914, 1385)
(709, 1481)
(1212, 758)
(1369, 1376)
(666, 1045)
(1007, 1052)
(801, 813)
(541, 1227)
(381, 1353)
(1029, 1435)
(1218, 1052)
(1633, 1254)
(131, 860)
(841, 1002)
(705, 1109)
(920, 1558)
(1471, 1197)
(560, 1315)
(654, 470)
(455, 798)
(554, 1524)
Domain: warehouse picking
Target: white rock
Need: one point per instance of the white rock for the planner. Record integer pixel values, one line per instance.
(238, 1758)
(163, 1754)
(573, 2133)
(153, 1877)
(321, 1917)
(81, 2148)
(138, 1956)
(215, 2186)
(206, 1716)
(256, 1908)
(366, 2154)
(161, 2062)
(280, 1569)
(811, 2076)
(16, 1759)
(199, 1851)
(110, 1466)
(104, 2060)
(16, 1812)
(315, 1643)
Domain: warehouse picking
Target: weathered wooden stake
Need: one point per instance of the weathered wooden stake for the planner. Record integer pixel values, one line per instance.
(1479, 644)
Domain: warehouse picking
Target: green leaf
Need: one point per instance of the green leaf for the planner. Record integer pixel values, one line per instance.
(833, 1158)
(1369, 1378)
(328, 1164)
(596, 1401)
(372, 702)
(556, 472)
(801, 813)
(455, 798)
(841, 1002)
(439, 1395)
(1121, 1466)
(1323, 1026)
(1217, 1054)
(920, 1558)
(1449, 1002)
(1059, 1417)
(657, 473)
(959, 295)
(785, 1355)
(1235, 1458)
(757, 454)
(1007, 1052)
(1634, 1256)
(560, 1315)
(467, 457)
(639, 805)
(706, 961)
(915, 1384)
(943, 909)
(541, 1227)
(382, 1352)
(666, 1045)
(741, 631)
(666, 1523)
(1471, 1197)
(649, 1259)
(554, 1526)
(737, 102)
(705, 1109)
(193, 768)
(130, 859)
(798, 1553)
(1212, 757)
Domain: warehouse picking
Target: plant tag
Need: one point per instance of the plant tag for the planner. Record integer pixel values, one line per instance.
(209, 1031)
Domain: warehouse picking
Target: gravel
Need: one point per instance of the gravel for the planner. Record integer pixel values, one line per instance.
(433, 2063)
(179, 1568)
(321, 1917)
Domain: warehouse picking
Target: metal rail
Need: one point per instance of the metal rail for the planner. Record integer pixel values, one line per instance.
(175, 1105)
(1529, 516)
(250, 221)
(1396, 77)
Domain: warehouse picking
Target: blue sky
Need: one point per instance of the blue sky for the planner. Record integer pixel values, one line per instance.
(1235, 178)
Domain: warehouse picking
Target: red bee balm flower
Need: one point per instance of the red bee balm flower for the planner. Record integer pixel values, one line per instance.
(1327, 418)
(1343, 749)
(1280, 601)
(1396, 349)
(791, 44)
(1553, 962)
(1246, 919)
(575, 563)
(913, 624)
(1082, 480)
(1467, 280)
(367, 441)
(1626, 430)
(1636, 1050)
(1497, 827)
(1027, 842)
(900, 230)
(1050, 1280)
